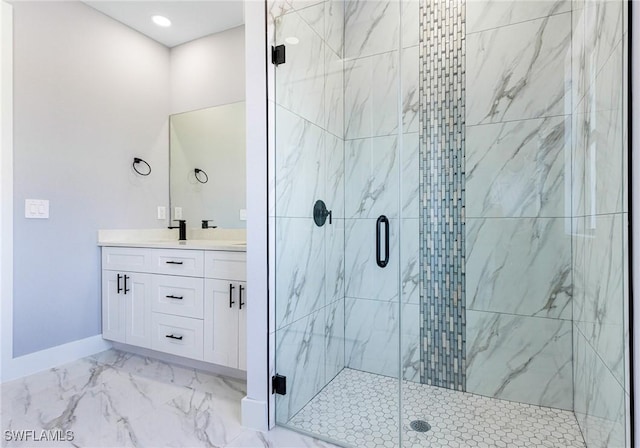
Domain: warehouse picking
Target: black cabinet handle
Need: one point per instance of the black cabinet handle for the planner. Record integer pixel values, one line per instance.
(241, 288)
(126, 290)
(170, 336)
(119, 287)
(173, 262)
(174, 297)
(231, 288)
(382, 262)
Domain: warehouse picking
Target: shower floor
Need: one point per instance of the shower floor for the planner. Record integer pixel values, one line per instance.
(361, 409)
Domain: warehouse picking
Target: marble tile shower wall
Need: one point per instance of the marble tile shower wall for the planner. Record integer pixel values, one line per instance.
(600, 239)
(380, 55)
(518, 242)
(307, 159)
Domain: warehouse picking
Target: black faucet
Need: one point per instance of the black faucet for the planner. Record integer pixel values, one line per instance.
(205, 224)
(182, 225)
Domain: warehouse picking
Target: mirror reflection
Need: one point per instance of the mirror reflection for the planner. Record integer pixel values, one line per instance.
(207, 166)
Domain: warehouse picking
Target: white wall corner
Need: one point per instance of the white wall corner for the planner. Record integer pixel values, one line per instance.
(255, 414)
(6, 185)
(254, 406)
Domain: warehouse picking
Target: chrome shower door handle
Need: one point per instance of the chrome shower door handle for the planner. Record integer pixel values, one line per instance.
(382, 221)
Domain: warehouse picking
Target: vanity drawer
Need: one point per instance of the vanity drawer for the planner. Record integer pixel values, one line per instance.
(126, 259)
(182, 296)
(181, 336)
(225, 265)
(178, 262)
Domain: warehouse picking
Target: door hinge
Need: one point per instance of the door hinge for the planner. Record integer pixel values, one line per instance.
(279, 384)
(278, 55)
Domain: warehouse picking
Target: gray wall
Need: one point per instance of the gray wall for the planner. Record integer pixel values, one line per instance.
(208, 71)
(90, 94)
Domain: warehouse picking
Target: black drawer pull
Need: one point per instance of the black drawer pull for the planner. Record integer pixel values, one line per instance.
(241, 288)
(119, 287)
(173, 262)
(170, 336)
(231, 301)
(126, 290)
(174, 297)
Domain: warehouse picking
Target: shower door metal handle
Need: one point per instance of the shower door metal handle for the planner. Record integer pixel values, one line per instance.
(382, 220)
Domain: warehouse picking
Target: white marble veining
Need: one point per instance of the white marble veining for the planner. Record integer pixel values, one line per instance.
(410, 176)
(410, 89)
(334, 93)
(599, 398)
(300, 263)
(300, 167)
(410, 23)
(410, 260)
(118, 399)
(523, 359)
(486, 14)
(371, 27)
(300, 81)
(519, 266)
(363, 277)
(370, 95)
(334, 339)
(300, 356)
(598, 307)
(334, 25)
(519, 71)
(335, 175)
(361, 410)
(597, 30)
(334, 260)
(598, 146)
(371, 170)
(372, 337)
(517, 168)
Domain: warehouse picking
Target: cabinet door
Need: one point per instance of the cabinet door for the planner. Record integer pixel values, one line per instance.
(242, 330)
(138, 309)
(221, 322)
(113, 307)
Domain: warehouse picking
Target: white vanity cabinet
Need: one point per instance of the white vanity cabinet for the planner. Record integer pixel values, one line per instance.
(225, 307)
(126, 303)
(178, 301)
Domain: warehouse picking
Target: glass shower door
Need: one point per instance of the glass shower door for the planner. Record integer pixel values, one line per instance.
(336, 219)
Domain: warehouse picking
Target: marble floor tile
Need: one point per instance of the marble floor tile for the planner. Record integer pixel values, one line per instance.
(117, 399)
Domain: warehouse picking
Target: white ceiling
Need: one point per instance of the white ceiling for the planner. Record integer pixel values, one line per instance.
(189, 19)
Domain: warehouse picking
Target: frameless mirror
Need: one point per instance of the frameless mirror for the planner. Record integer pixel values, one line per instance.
(207, 166)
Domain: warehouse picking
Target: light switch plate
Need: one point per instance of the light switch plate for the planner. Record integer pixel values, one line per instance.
(162, 212)
(177, 214)
(243, 214)
(36, 208)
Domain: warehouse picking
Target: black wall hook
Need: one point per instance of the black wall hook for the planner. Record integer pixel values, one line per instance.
(137, 160)
(197, 171)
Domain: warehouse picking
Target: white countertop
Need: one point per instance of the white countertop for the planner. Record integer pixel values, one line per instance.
(211, 239)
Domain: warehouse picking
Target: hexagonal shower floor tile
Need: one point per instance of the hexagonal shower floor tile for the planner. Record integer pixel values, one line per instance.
(360, 409)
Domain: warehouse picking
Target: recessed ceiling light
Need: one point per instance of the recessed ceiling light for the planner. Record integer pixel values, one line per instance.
(161, 21)
(292, 40)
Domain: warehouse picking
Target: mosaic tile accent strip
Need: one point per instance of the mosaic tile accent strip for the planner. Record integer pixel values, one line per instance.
(361, 409)
(442, 178)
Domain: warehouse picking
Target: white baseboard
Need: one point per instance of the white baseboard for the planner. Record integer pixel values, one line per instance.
(185, 362)
(255, 414)
(55, 356)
